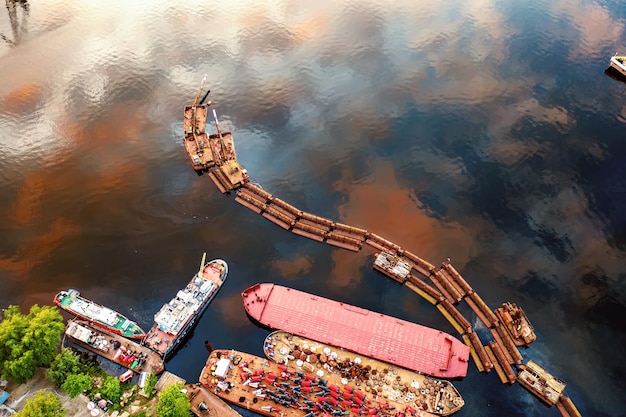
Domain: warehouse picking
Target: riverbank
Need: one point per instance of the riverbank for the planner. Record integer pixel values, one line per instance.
(19, 394)
(74, 407)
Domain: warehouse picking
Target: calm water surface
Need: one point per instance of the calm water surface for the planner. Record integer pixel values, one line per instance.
(483, 131)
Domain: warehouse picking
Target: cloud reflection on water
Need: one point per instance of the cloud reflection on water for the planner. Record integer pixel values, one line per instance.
(450, 128)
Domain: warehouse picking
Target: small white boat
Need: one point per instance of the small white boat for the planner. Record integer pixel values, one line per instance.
(618, 62)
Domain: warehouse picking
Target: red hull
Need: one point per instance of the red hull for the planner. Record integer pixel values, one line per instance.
(402, 343)
(138, 338)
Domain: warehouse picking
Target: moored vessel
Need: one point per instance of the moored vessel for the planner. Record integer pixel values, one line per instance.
(393, 266)
(540, 382)
(214, 153)
(114, 347)
(618, 63)
(399, 386)
(72, 302)
(385, 338)
(195, 138)
(516, 324)
(178, 316)
(225, 171)
(273, 389)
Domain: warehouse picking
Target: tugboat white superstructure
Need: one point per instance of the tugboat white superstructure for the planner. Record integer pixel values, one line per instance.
(177, 317)
(618, 63)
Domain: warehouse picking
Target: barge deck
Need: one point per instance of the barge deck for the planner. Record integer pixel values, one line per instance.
(113, 347)
(385, 338)
(399, 386)
(273, 389)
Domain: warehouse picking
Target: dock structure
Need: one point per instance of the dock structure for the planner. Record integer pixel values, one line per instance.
(205, 403)
(167, 379)
(444, 287)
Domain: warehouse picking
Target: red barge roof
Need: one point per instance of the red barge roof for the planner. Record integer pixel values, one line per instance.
(389, 339)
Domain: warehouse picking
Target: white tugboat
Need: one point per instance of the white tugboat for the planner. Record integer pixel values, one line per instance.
(177, 317)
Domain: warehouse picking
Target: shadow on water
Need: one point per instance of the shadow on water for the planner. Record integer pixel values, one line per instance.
(614, 74)
(18, 28)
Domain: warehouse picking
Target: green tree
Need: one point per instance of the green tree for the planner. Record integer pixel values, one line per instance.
(151, 382)
(28, 341)
(43, 404)
(173, 402)
(45, 327)
(66, 363)
(111, 388)
(76, 384)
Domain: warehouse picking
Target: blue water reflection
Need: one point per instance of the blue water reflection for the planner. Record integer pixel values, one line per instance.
(483, 131)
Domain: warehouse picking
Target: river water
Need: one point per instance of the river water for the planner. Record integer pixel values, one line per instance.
(483, 131)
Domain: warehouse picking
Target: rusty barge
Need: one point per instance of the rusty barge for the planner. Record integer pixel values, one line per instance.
(388, 339)
(195, 139)
(516, 324)
(273, 389)
(205, 403)
(540, 383)
(114, 347)
(211, 153)
(399, 386)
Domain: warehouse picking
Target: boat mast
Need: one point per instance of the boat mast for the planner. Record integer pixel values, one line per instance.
(217, 124)
(194, 121)
(202, 264)
(219, 133)
(199, 90)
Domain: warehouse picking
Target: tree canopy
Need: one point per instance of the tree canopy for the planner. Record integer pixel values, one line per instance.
(77, 383)
(173, 402)
(150, 383)
(64, 364)
(28, 342)
(111, 388)
(43, 404)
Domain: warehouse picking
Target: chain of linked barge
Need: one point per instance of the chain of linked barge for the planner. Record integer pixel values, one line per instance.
(447, 287)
